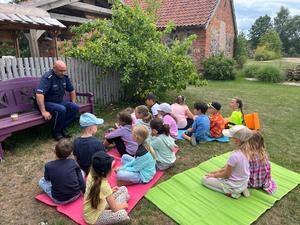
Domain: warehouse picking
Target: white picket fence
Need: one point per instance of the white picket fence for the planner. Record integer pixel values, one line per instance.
(85, 76)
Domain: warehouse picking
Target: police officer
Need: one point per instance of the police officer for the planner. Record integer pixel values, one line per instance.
(49, 96)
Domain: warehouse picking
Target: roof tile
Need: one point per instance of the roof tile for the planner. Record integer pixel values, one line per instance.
(183, 12)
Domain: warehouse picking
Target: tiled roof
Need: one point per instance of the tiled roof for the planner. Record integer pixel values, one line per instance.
(27, 17)
(183, 12)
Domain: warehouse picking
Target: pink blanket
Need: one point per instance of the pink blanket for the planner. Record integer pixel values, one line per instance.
(74, 210)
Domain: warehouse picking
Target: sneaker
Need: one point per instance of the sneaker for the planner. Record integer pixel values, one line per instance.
(193, 140)
(57, 137)
(65, 134)
(246, 193)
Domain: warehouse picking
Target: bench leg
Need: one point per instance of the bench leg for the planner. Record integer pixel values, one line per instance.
(1, 152)
(2, 138)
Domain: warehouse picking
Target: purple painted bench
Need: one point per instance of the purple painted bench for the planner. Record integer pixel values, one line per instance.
(16, 97)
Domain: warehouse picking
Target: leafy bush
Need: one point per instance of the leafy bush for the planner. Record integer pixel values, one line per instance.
(241, 60)
(262, 54)
(218, 68)
(131, 45)
(268, 73)
(251, 70)
(272, 42)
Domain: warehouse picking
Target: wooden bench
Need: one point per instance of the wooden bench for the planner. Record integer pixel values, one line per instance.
(16, 97)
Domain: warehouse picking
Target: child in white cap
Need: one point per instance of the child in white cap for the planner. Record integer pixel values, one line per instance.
(87, 145)
(233, 178)
(165, 111)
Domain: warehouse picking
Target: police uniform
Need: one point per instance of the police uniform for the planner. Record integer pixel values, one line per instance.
(53, 88)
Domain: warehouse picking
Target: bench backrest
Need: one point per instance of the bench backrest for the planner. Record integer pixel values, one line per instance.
(16, 95)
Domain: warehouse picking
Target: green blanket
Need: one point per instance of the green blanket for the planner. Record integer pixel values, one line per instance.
(186, 201)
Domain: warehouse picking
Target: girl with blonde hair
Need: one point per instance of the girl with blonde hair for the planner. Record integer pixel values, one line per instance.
(143, 116)
(233, 178)
(141, 167)
(259, 164)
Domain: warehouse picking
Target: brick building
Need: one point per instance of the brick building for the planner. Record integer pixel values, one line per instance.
(213, 21)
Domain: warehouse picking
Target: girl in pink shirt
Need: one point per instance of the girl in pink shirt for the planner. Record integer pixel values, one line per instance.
(165, 110)
(233, 178)
(184, 117)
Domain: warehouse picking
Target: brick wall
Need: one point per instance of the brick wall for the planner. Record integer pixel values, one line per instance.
(220, 33)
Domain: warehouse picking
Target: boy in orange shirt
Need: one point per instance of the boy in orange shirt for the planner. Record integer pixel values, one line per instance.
(216, 120)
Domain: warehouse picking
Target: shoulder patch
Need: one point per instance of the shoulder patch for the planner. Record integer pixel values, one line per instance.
(48, 77)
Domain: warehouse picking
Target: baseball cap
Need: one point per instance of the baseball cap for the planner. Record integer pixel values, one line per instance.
(89, 119)
(164, 107)
(101, 163)
(240, 132)
(215, 105)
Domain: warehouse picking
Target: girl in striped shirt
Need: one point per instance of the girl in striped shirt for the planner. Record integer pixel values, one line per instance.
(259, 165)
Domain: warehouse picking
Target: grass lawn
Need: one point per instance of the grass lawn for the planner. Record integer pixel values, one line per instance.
(278, 107)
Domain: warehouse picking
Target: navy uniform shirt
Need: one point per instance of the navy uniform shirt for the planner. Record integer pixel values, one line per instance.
(53, 87)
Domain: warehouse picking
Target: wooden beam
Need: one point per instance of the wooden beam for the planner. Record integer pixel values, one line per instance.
(73, 19)
(89, 8)
(16, 43)
(33, 37)
(52, 4)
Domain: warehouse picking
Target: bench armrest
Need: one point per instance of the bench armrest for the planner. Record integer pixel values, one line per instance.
(90, 98)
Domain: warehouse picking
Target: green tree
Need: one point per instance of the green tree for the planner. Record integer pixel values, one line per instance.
(260, 26)
(269, 46)
(271, 41)
(241, 49)
(131, 45)
(293, 33)
(281, 25)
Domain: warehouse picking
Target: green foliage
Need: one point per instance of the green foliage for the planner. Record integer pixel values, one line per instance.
(131, 45)
(8, 49)
(241, 50)
(263, 54)
(272, 42)
(218, 68)
(251, 70)
(268, 73)
(260, 26)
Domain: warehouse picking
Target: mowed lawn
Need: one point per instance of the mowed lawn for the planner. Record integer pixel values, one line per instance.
(278, 107)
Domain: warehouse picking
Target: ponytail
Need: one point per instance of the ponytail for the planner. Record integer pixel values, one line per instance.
(151, 150)
(159, 125)
(94, 194)
(240, 103)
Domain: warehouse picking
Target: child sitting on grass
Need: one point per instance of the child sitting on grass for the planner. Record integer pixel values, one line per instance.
(184, 117)
(121, 135)
(62, 180)
(216, 120)
(152, 104)
(141, 168)
(237, 115)
(143, 116)
(199, 131)
(162, 144)
(233, 178)
(87, 145)
(165, 111)
(102, 204)
(259, 165)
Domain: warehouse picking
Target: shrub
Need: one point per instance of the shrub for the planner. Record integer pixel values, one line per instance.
(218, 68)
(268, 73)
(262, 54)
(251, 70)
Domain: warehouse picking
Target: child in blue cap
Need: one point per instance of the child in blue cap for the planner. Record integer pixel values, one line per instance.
(87, 145)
